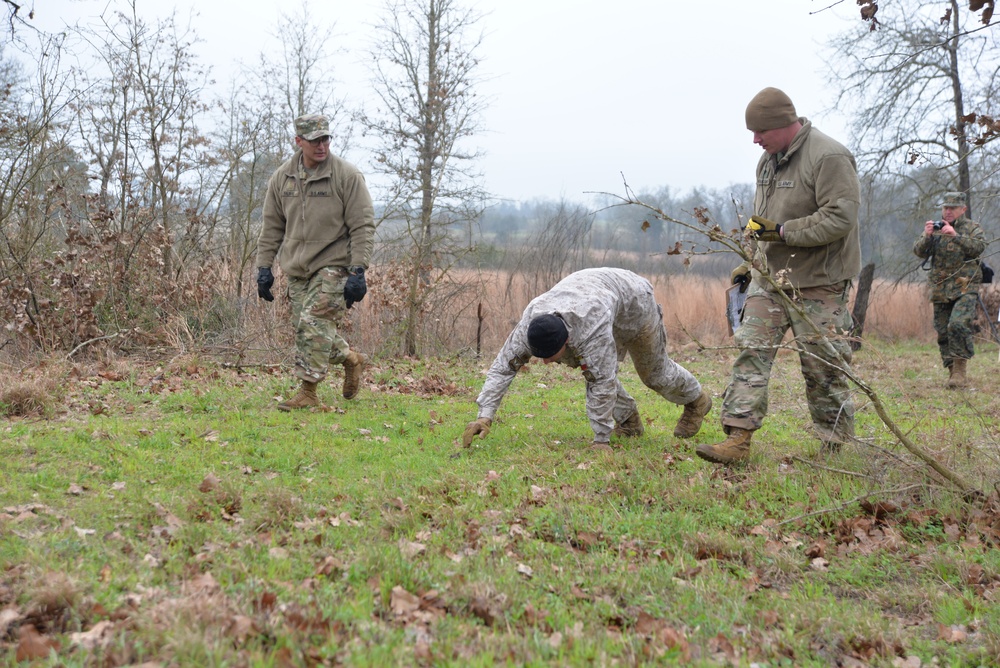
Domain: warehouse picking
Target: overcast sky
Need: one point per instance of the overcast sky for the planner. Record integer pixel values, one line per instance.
(582, 91)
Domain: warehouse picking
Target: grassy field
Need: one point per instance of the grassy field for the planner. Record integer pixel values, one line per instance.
(170, 516)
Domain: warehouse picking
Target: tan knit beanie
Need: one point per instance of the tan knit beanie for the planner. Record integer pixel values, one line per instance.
(770, 109)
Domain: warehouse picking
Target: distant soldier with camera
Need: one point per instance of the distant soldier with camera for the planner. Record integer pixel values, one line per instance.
(953, 246)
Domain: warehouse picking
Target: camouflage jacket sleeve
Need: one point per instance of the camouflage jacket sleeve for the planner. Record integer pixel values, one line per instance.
(970, 239)
(923, 247)
(514, 354)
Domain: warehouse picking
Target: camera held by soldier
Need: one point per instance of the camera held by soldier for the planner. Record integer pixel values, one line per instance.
(938, 225)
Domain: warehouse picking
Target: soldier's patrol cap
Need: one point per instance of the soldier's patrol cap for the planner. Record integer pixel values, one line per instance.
(312, 126)
(953, 199)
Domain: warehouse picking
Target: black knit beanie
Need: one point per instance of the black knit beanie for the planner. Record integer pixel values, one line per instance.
(546, 335)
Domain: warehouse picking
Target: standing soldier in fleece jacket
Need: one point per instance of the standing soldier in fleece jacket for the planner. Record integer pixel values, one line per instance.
(319, 213)
(806, 225)
(589, 320)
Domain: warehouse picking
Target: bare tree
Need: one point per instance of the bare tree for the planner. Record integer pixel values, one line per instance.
(425, 70)
(252, 141)
(913, 83)
(302, 80)
(17, 16)
(34, 154)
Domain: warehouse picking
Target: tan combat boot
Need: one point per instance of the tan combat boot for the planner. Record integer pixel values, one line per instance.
(306, 398)
(733, 449)
(630, 427)
(692, 417)
(354, 364)
(956, 376)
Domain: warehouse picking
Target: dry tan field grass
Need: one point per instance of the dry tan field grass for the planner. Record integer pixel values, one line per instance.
(694, 311)
(253, 331)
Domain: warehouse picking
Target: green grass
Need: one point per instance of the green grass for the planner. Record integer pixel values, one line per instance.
(189, 522)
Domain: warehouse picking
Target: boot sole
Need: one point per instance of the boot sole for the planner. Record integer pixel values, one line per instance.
(288, 409)
(718, 460)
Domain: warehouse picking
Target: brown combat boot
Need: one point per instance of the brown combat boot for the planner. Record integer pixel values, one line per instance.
(956, 373)
(630, 427)
(306, 398)
(733, 449)
(354, 364)
(692, 417)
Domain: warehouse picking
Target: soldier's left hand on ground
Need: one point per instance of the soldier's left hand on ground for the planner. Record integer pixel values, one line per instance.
(479, 426)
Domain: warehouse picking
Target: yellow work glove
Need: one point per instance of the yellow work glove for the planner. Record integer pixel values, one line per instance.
(741, 276)
(764, 229)
(479, 426)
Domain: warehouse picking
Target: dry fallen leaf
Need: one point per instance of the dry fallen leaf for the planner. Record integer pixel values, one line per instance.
(7, 617)
(33, 645)
(411, 549)
(329, 566)
(480, 607)
(242, 627)
(96, 637)
(210, 483)
(403, 602)
(952, 634)
(204, 582)
(819, 564)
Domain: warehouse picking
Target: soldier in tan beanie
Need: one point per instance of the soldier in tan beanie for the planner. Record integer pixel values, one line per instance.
(805, 224)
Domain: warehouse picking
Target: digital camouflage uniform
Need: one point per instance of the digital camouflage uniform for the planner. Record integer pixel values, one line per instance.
(607, 312)
(323, 222)
(954, 279)
(813, 191)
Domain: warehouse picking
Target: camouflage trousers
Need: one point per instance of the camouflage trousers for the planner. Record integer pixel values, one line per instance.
(765, 322)
(953, 324)
(317, 308)
(646, 343)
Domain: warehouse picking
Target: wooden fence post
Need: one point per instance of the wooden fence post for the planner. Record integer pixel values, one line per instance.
(860, 309)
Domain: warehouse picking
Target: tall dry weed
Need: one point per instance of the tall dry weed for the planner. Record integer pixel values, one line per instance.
(32, 392)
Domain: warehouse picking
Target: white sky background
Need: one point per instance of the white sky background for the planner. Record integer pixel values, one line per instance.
(582, 91)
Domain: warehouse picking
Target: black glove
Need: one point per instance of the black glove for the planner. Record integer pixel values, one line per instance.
(265, 279)
(741, 276)
(355, 288)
